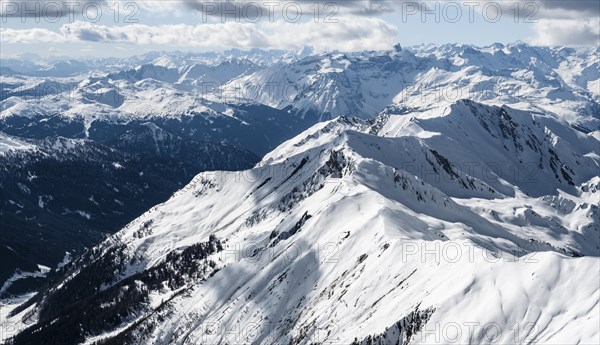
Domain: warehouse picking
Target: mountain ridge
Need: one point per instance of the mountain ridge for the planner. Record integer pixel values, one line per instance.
(330, 239)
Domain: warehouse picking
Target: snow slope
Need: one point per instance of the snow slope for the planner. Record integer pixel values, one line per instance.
(10, 144)
(332, 238)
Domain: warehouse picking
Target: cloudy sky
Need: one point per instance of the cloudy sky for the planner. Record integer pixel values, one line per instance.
(122, 28)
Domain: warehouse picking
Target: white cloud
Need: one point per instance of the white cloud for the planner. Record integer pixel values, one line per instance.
(358, 27)
(349, 34)
(570, 32)
(226, 8)
(34, 35)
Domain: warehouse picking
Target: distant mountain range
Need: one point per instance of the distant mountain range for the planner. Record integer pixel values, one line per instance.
(563, 81)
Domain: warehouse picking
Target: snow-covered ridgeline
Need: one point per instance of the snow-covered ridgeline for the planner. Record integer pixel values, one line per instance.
(334, 237)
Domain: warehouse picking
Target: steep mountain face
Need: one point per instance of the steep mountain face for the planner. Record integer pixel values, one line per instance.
(332, 84)
(381, 231)
(61, 195)
(501, 144)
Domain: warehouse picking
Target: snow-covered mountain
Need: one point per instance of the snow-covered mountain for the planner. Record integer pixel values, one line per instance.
(33, 65)
(559, 80)
(405, 228)
(98, 108)
(451, 175)
(144, 115)
(563, 81)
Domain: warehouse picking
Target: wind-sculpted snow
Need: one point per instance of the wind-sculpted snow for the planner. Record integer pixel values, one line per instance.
(336, 236)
